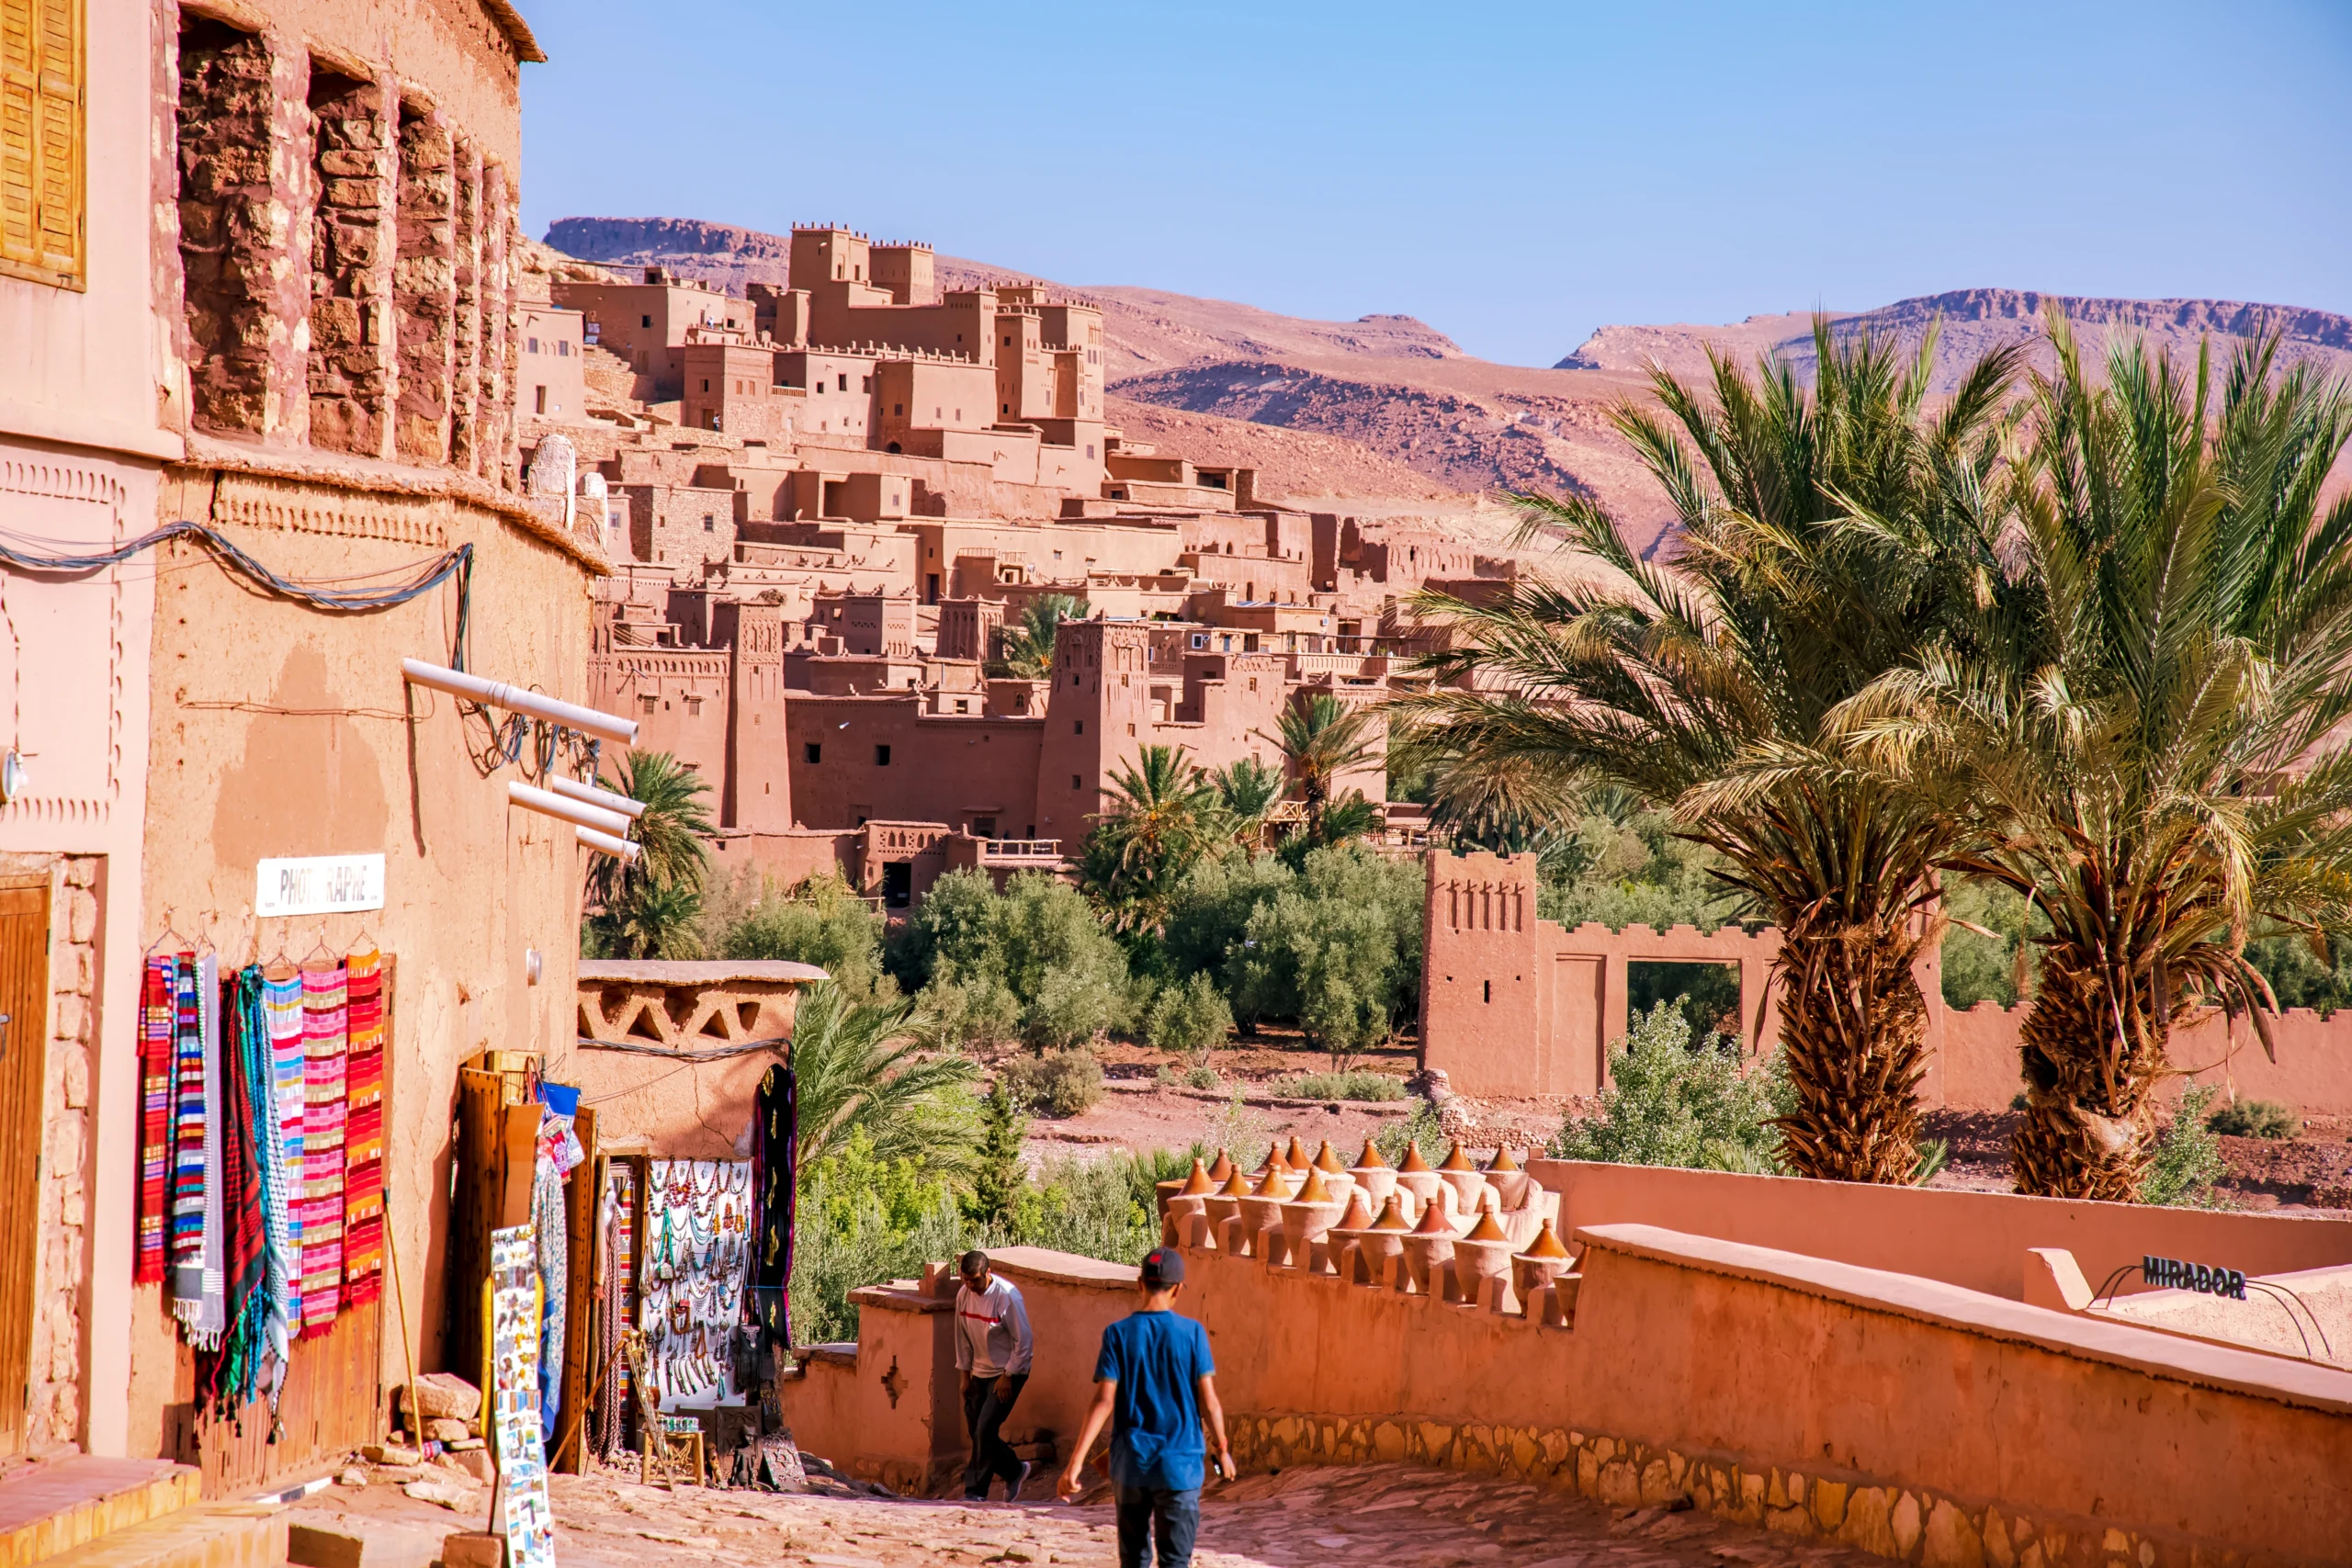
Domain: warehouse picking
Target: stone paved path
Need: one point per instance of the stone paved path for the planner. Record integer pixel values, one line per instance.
(1393, 1516)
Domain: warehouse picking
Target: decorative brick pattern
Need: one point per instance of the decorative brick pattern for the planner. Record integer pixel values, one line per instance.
(1905, 1524)
(465, 323)
(424, 287)
(350, 361)
(232, 226)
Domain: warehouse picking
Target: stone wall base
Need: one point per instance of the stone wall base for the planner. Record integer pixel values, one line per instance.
(1905, 1524)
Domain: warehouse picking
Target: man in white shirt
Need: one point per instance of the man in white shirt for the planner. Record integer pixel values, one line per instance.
(993, 1351)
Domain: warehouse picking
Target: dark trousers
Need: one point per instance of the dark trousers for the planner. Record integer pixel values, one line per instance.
(985, 1409)
(1150, 1513)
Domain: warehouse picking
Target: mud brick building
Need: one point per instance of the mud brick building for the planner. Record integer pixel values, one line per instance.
(256, 277)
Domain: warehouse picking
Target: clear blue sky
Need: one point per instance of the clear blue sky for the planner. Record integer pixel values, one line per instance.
(1513, 175)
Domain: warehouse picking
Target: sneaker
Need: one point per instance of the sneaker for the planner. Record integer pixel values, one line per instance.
(1019, 1482)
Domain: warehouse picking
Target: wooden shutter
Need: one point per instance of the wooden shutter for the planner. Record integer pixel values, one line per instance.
(42, 222)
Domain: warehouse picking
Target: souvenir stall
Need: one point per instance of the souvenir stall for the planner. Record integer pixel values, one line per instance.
(265, 1090)
(691, 1237)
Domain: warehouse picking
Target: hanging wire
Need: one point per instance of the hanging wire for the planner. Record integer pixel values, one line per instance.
(423, 577)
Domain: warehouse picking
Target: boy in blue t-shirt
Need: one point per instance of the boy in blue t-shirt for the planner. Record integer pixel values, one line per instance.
(1156, 1376)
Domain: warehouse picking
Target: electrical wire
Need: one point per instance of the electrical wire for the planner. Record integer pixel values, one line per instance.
(426, 576)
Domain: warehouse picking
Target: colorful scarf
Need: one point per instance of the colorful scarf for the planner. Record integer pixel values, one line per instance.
(363, 1238)
(156, 1149)
(211, 1319)
(248, 1126)
(620, 1227)
(281, 1001)
(322, 1157)
(187, 1144)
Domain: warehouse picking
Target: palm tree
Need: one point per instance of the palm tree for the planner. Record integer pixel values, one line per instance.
(1025, 648)
(1319, 740)
(862, 1065)
(2147, 743)
(650, 909)
(1163, 819)
(1823, 539)
(1247, 791)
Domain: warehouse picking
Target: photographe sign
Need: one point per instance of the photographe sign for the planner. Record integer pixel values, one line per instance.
(319, 884)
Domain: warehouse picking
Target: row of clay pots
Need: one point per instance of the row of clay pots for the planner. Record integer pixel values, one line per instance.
(1460, 1247)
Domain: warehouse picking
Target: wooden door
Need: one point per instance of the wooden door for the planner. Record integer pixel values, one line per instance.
(24, 998)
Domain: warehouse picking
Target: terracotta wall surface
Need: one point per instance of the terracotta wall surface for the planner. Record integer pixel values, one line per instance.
(277, 731)
(1973, 1240)
(1905, 1416)
(643, 1055)
(1515, 1005)
(2313, 1073)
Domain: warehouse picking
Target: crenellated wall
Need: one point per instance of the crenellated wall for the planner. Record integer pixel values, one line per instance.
(1900, 1415)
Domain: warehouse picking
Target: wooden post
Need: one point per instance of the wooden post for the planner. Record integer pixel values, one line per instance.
(583, 1237)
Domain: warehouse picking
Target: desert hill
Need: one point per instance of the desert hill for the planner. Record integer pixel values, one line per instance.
(1973, 321)
(1389, 408)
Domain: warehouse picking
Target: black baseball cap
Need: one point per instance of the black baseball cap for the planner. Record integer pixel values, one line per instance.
(1164, 1266)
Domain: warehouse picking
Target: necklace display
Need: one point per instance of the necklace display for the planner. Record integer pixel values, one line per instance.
(697, 1226)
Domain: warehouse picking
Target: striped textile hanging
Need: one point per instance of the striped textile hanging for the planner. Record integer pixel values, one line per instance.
(281, 1001)
(362, 1237)
(154, 1117)
(187, 1284)
(212, 1320)
(324, 1049)
(248, 1125)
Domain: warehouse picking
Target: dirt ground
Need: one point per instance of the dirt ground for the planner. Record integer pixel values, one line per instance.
(2311, 1172)
(1386, 1514)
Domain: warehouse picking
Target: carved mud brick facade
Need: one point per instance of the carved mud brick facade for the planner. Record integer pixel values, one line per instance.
(424, 287)
(232, 226)
(350, 362)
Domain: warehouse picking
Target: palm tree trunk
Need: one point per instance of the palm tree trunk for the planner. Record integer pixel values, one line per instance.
(2088, 1069)
(1853, 1031)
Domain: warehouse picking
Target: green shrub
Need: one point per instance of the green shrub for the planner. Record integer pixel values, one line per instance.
(1359, 1085)
(819, 922)
(1201, 1077)
(1673, 1103)
(863, 1220)
(1622, 870)
(1419, 1130)
(2254, 1119)
(1059, 1083)
(1340, 951)
(1032, 961)
(1189, 1018)
(2187, 1158)
(998, 1171)
(1980, 968)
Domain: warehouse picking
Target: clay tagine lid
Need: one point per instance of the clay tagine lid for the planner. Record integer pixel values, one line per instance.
(1503, 1160)
(1197, 1184)
(1370, 1159)
(1486, 1229)
(1276, 1185)
(1313, 1190)
(1294, 1157)
(1546, 1245)
(1412, 1160)
(1358, 1216)
(1455, 1159)
(1327, 1161)
(1433, 1222)
(1237, 1185)
(1392, 1216)
(1274, 1161)
(1222, 1167)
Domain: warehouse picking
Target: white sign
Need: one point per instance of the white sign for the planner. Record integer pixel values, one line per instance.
(319, 884)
